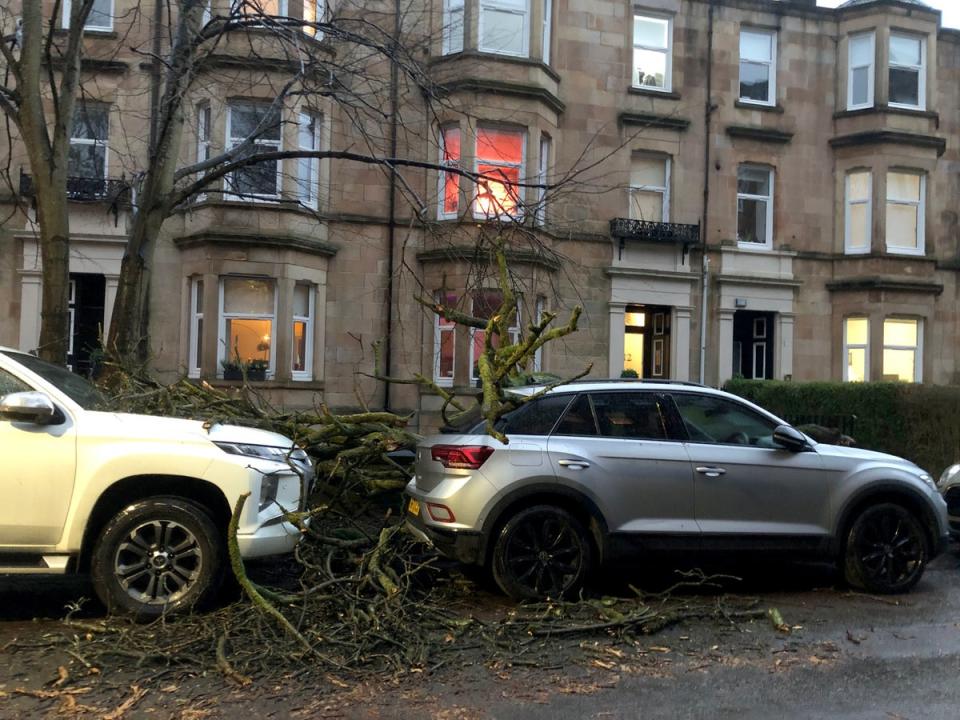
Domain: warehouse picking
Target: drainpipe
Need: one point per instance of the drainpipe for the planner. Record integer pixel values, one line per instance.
(392, 207)
(155, 70)
(704, 260)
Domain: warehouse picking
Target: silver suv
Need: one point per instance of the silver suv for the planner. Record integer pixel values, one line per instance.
(596, 471)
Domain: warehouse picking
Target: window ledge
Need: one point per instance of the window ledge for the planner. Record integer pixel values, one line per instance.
(760, 134)
(470, 54)
(853, 284)
(311, 385)
(651, 92)
(888, 110)
(89, 32)
(757, 106)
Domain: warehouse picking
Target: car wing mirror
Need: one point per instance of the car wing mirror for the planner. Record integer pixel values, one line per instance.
(789, 438)
(31, 406)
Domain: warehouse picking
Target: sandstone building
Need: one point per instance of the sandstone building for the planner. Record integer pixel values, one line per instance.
(754, 187)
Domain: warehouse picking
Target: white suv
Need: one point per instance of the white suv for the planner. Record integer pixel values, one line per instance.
(141, 503)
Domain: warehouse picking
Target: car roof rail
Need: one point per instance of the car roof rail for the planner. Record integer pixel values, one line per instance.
(650, 381)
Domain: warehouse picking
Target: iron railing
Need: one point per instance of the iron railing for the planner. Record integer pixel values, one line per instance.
(82, 189)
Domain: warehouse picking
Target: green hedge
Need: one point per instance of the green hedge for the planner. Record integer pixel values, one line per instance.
(919, 422)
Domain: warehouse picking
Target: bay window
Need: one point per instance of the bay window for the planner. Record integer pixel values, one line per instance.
(856, 344)
(449, 189)
(303, 312)
(504, 27)
(758, 67)
(902, 349)
(499, 160)
(196, 328)
(308, 168)
(858, 212)
(262, 179)
(905, 212)
(452, 26)
(860, 74)
(248, 308)
(100, 16)
(88, 141)
(444, 342)
(652, 51)
(755, 206)
(907, 72)
(484, 304)
(542, 164)
(649, 189)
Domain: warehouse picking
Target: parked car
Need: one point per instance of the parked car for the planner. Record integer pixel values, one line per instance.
(596, 471)
(949, 485)
(141, 503)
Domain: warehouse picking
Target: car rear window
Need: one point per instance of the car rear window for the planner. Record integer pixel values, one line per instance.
(578, 420)
(636, 415)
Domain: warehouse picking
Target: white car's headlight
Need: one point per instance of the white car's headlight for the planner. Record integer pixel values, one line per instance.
(949, 474)
(265, 452)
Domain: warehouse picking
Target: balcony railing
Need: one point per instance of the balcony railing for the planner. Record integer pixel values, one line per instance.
(625, 229)
(84, 189)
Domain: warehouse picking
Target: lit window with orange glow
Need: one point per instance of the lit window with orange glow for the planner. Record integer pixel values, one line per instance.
(449, 181)
(247, 314)
(499, 160)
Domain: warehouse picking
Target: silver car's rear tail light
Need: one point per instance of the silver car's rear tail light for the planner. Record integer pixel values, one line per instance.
(461, 457)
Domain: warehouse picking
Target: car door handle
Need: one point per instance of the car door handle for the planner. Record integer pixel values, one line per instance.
(710, 471)
(574, 464)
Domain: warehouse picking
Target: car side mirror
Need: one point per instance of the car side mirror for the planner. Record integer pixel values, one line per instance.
(789, 438)
(30, 406)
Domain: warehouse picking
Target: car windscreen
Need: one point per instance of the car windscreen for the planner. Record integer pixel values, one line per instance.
(80, 390)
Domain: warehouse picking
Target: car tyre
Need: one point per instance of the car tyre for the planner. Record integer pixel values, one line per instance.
(157, 556)
(886, 550)
(542, 551)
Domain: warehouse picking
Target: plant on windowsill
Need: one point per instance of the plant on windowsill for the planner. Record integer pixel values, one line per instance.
(629, 373)
(232, 369)
(257, 369)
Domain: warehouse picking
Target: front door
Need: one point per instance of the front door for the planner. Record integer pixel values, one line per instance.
(39, 462)
(87, 293)
(617, 446)
(646, 340)
(753, 344)
(746, 487)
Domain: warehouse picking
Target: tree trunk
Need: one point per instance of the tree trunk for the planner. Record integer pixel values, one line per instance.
(55, 254)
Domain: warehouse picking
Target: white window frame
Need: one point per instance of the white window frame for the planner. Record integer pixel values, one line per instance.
(920, 205)
(194, 361)
(275, 144)
(224, 352)
(71, 317)
(667, 51)
(663, 190)
(506, 7)
(307, 373)
(847, 346)
(540, 214)
(917, 349)
(848, 205)
(920, 69)
(547, 36)
(871, 70)
(441, 176)
(513, 331)
(452, 42)
(771, 68)
(308, 188)
(207, 15)
(319, 13)
(517, 214)
(539, 309)
(67, 7)
(96, 142)
(438, 329)
(768, 241)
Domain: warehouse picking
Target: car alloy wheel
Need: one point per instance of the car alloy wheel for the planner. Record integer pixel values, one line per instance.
(542, 551)
(158, 555)
(886, 550)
